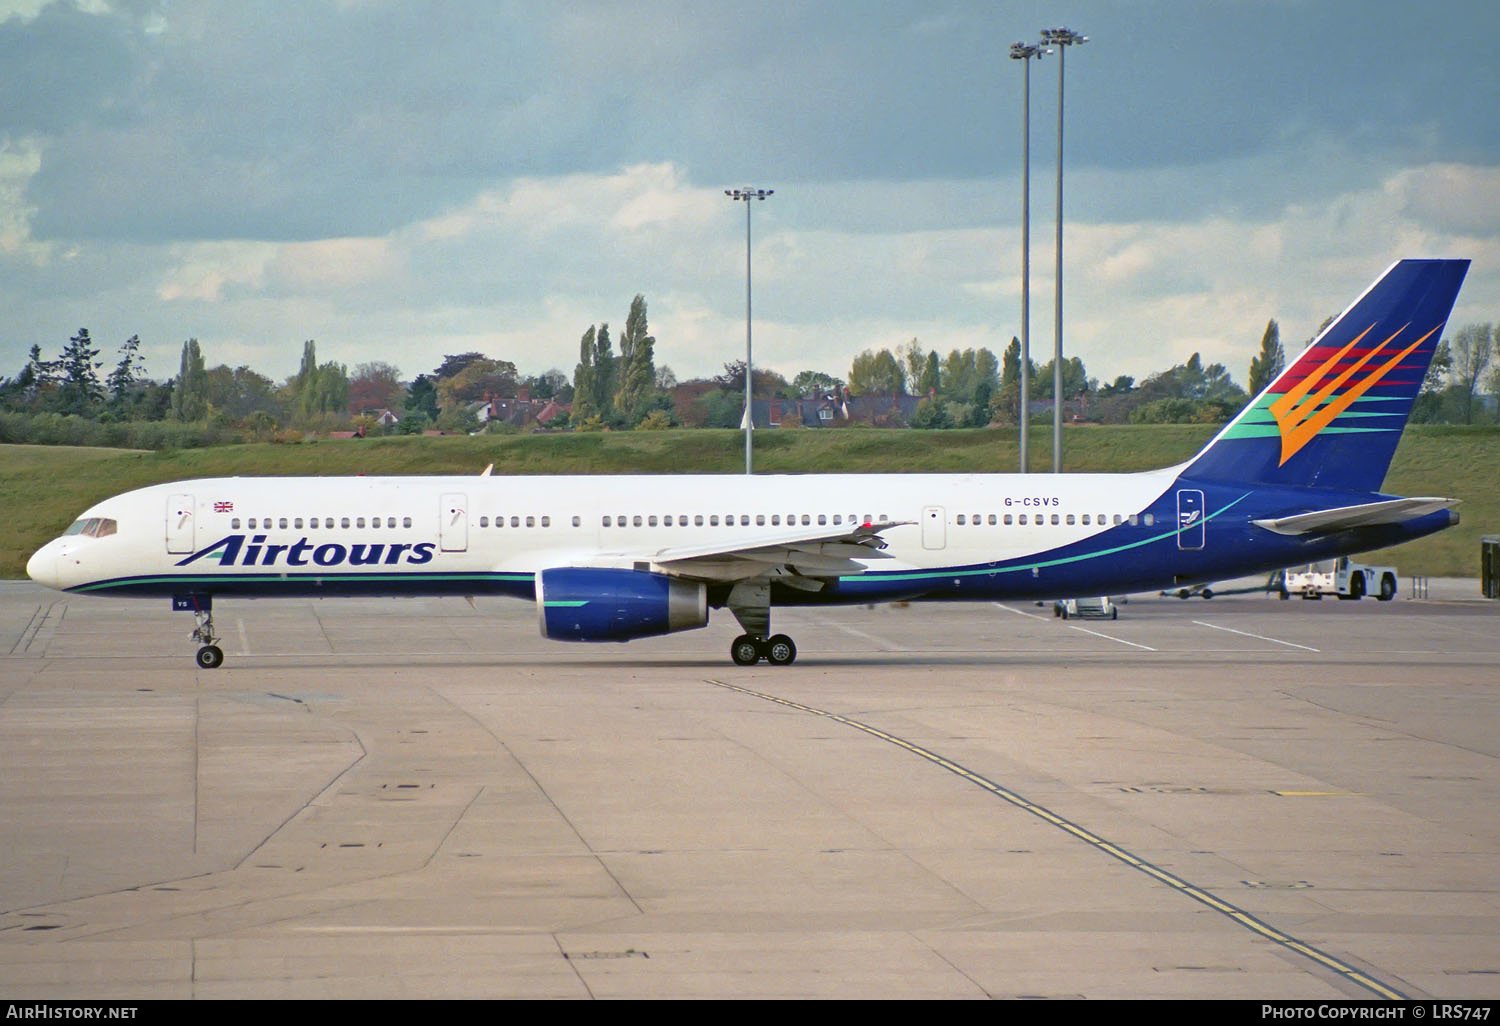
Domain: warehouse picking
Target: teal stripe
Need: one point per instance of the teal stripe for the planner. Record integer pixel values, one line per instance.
(213, 579)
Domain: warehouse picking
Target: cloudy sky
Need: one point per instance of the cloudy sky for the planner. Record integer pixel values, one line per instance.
(400, 180)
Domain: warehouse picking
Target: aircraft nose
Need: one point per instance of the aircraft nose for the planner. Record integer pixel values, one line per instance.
(42, 567)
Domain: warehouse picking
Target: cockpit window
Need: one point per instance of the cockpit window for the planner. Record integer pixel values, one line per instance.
(93, 527)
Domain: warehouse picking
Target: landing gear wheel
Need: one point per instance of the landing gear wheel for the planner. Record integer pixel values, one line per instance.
(745, 651)
(779, 650)
(210, 657)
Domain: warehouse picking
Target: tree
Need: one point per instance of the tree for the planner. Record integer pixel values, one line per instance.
(1472, 348)
(480, 378)
(421, 398)
(877, 374)
(319, 391)
(1428, 407)
(79, 391)
(451, 365)
(637, 363)
(587, 378)
(931, 378)
(811, 384)
(1271, 361)
(126, 378)
(375, 386)
(189, 395)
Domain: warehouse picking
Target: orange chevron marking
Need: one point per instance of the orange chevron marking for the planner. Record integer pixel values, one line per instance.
(1298, 415)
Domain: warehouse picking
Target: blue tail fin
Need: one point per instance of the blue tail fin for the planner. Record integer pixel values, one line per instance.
(1333, 418)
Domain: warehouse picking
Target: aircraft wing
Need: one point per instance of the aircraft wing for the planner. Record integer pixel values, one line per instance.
(800, 558)
(1369, 514)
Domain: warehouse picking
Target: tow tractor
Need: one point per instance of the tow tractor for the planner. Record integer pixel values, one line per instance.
(1342, 578)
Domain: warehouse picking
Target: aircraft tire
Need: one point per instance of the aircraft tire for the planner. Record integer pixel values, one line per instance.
(210, 657)
(780, 651)
(745, 651)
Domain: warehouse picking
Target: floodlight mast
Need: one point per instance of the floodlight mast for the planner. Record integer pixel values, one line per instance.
(1026, 53)
(1062, 38)
(747, 194)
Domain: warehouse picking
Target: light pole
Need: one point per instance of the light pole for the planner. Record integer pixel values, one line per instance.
(747, 194)
(1062, 38)
(1026, 53)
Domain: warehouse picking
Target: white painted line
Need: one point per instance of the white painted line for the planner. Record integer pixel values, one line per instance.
(1259, 637)
(880, 643)
(1019, 612)
(1106, 637)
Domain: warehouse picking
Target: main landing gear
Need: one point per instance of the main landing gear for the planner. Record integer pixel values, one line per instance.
(750, 602)
(778, 650)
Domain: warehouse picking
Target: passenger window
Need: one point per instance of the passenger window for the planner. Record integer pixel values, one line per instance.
(1085, 520)
(992, 520)
(760, 520)
(713, 521)
(1022, 520)
(1007, 520)
(515, 521)
(546, 521)
(1070, 518)
(822, 519)
(484, 521)
(697, 519)
(531, 521)
(234, 525)
(775, 519)
(1150, 519)
(578, 521)
(359, 522)
(1054, 520)
(344, 523)
(960, 520)
(406, 521)
(651, 520)
(636, 520)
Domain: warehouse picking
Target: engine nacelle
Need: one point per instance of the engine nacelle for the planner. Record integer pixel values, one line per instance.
(589, 604)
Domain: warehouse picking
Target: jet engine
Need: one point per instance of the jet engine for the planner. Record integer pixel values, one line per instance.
(591, 604)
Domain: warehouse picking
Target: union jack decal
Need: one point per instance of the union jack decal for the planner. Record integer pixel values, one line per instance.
(223, 507)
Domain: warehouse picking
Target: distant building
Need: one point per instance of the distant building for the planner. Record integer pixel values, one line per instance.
(835, 410)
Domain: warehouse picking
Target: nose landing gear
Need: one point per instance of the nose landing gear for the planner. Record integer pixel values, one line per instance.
(210, 655)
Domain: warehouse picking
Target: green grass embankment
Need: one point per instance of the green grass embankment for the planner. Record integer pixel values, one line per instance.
(44, 488)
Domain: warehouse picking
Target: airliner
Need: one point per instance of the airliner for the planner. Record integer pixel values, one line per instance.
(1294, 478)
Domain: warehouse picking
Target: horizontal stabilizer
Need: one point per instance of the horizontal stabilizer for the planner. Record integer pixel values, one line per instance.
(1369, 514)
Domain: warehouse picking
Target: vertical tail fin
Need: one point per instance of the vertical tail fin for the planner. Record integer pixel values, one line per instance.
(1333, 418)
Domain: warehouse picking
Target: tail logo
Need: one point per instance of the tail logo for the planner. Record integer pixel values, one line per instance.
(1301, 412)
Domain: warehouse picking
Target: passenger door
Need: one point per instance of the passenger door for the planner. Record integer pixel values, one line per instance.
(934, 527)
(181, 534)
(453, 523)
(1189, 518)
